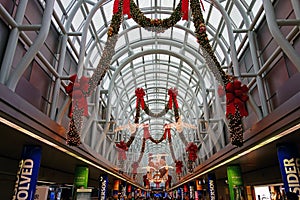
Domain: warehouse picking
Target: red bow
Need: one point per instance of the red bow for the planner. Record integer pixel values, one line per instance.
(236, 97)
(126, 7)
(185, 9)
(178, 165)
(69, 87)
(122, 148)
(192, 150)
(167, 132)
(172, 92)
(139, 92)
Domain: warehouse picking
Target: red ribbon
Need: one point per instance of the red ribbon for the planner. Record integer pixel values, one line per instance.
(116, 6)
(178, 165)
(69, 87)
(139, 92)
(126, 8)
(185, 9)
(172, 92)
(202, 5)
(236, 97)
(122, 148)
(192, 150)
(167, 132)
(69, 90)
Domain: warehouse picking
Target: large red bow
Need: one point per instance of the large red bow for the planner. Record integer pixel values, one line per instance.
(236, 97)
(192, 151)
(172, 92)
(139, 92)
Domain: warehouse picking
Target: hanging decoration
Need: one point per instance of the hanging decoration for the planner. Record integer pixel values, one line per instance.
(78, 108)
(140, 103)
(84, 87)
(192, 155)
(154, 25)
(236, 98)
(236, 93)
(178, 165)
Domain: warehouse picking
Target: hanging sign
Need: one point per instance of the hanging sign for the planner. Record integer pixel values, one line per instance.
(27, 175)
(81, 176)
(289, 161)
(212, 186)
(103, 182)
(235, 182)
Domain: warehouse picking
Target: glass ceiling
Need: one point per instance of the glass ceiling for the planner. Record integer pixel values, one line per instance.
(155, 62)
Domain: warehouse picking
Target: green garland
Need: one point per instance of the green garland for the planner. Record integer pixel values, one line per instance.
(155, 25)
(202, 39)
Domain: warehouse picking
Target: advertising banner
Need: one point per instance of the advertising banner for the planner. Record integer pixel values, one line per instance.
(103, 182)
(235, 182)
(212, 186)
(81, 176)
(27, 175)
(289, 161)
(116, 188)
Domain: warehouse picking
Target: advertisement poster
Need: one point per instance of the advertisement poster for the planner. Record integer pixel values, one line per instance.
(27, 175)
(103, 182)
(212, 187)
(235, 182)
(289, 161)
(81, 176)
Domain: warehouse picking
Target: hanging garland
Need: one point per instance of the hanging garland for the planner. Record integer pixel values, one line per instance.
(155, 25)
(202, 39)
(234, 91)
(84, 87)
(147, 135)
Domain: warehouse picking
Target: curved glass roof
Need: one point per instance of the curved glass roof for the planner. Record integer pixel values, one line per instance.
(156, 62)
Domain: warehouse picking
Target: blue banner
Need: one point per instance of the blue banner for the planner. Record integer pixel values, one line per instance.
(103, 182)
(28, 173)
(212, 186)
(289, 162)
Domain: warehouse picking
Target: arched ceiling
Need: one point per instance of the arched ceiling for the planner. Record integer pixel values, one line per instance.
(156, 62)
